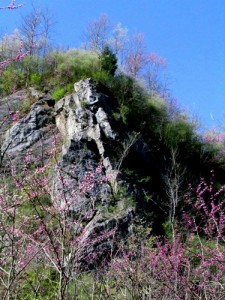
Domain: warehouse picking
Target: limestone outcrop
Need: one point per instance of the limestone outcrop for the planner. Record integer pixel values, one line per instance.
(84, 120)
(33, 131)
(84, 116)
(85, 133)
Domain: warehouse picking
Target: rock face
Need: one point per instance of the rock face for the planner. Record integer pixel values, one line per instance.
(26, 132)
(84, 121)
(32, 133)
(15, 100)
(84, 116)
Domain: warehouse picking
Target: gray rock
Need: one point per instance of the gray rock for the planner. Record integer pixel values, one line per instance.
(8, 105)
(102, 120)
(34, 134)
(27, 131)
(86, 91)
(83, 116)
(81, 186)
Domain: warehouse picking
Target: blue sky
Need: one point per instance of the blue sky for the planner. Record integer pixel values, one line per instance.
(189, 34)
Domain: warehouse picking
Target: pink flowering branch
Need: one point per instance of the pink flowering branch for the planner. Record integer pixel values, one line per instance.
(189, 266)
(12, 5)
(49, 232)
(19, 56)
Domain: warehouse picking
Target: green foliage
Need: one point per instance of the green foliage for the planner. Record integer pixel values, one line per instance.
(58, 93)
(137, 108)
(70, 87)
(101, 77)
(168, 229)
(178, 132)
(36, 79)
(31, 288)
(72, 66)
(32, 64)
(55, 70)
(124, 113)
(9, 79)
(113, 209)
(108, 61)
(126, 199)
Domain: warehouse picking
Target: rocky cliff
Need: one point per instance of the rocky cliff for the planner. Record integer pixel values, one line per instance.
(86, 136)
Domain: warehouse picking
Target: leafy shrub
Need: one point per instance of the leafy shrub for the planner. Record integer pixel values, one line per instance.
(137, 108)
(74, 65)
(57, 69)
(58, 93)
(178, 132)
(10, 79)
(70, 87)
(101, 77)
(36, 79)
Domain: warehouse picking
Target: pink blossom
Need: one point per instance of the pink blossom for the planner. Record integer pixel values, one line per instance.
(12, 5)
(14, 116)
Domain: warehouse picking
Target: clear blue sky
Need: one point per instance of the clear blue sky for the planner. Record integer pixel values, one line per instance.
(190, 34)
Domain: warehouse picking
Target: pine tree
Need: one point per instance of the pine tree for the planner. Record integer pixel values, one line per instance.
(108, 61)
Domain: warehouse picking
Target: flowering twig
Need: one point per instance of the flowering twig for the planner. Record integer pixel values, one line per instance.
(12, 5)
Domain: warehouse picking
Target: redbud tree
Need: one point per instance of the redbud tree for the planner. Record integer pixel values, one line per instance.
(39, 228)
(190, 265)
